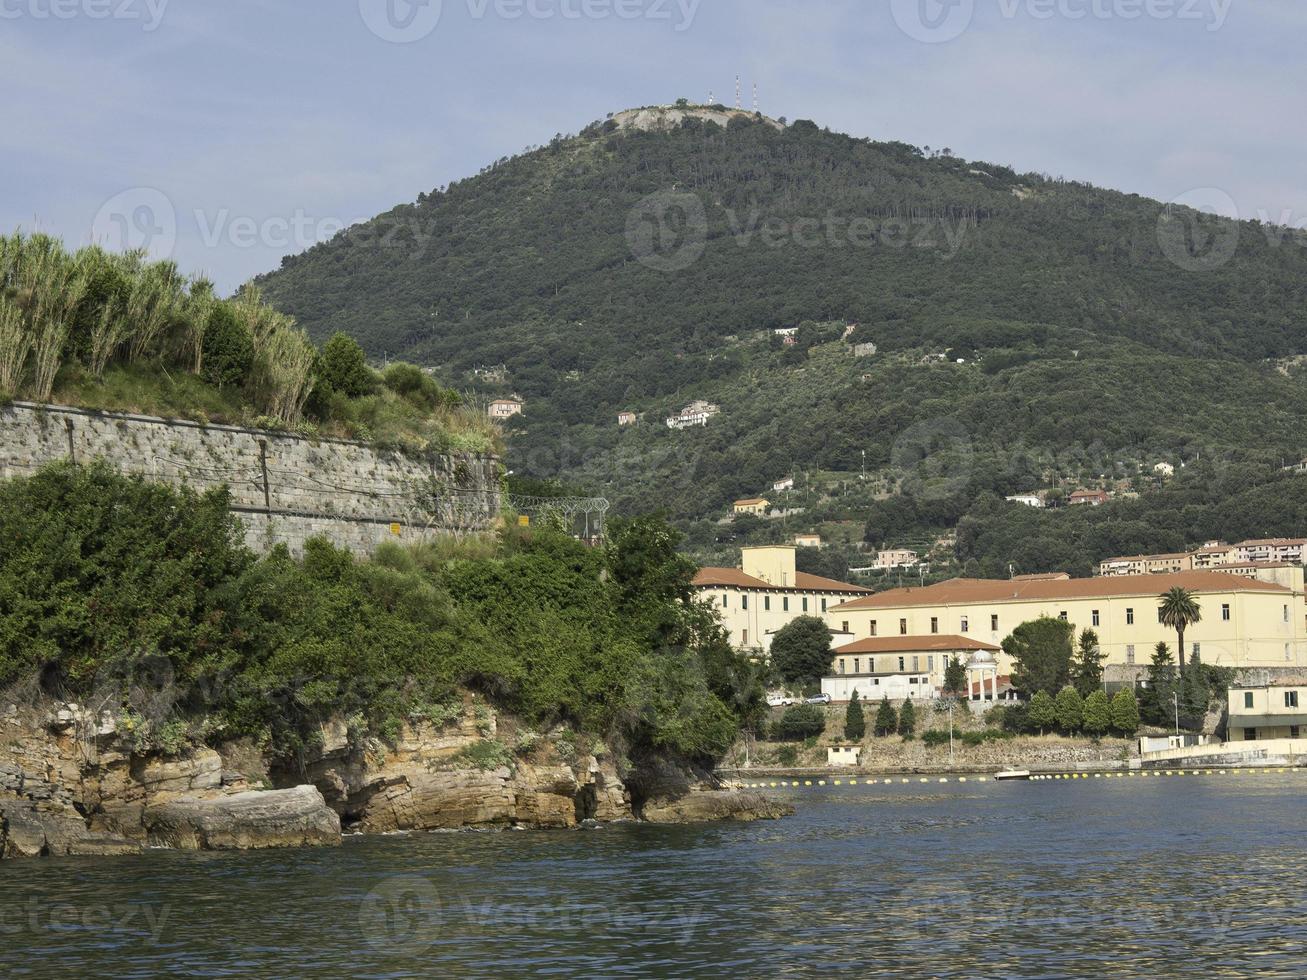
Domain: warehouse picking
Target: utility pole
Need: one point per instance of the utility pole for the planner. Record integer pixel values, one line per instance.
(1176, 698)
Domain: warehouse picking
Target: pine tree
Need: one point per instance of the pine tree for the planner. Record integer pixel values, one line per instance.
(1125, 713)
(955, 677)
(1097, 714)
(855, 722)
(1070, 710)
(887, 719)
(1043, 711)
(1087, 664)
(1156, 707)
(908, 720)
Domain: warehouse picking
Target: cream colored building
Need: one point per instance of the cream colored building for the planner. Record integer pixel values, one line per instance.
(807, 540)
(1147, 564)
(753, 505)
(767, 593)
(505, 408)
(1268, 711)
(1246, 622)
(892, 558)
(897, 667)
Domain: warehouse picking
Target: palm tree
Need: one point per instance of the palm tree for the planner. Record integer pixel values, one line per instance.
(1179, 610)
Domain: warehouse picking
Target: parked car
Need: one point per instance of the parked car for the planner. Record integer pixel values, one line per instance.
(781, 701)
(818, 699)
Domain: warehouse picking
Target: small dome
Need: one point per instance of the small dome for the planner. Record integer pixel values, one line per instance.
(983, 658)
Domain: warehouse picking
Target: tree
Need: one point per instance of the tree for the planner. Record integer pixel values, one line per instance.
(855, 722)
(344, 366)
(800, 722)
(1179, 609)
(908, 719)
(1125, 713)
(887, 719)
(227, 349)
(955, 677)
(1070, 710)
(800, 650)
(1041, 654)
(1043, 711)
(1087, 664)
(1097, 714)
(1156, 708)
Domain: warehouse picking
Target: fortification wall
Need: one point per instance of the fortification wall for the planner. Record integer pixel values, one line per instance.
(285, 488)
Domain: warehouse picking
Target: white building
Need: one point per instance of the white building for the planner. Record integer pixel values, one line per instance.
(785, 484)
(695, 414)
(1028, 499)
(896, 558)
(1165, 470)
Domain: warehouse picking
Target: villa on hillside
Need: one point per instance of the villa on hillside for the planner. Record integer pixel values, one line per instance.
(505, 408)
(1089, 498)
(697, 413)
(892, 558)
(752, 505)
(626, 418)
(766, 593)
(807, 541)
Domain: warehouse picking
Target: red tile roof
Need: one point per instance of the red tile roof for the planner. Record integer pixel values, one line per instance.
(963, 590)
(915, 644)
(803, 582)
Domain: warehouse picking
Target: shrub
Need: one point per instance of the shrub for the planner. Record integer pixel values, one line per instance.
(1070, 710)
(228, 349)
(343, 366)
(934, 737)
(486, 755)
(1097, 714)
(787, 755)
(1125, 713)
(908, 720)
(800, 722)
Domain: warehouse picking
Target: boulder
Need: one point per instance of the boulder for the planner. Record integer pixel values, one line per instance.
(32, 829)
(701, 806)
(417, 799)
(244, 821)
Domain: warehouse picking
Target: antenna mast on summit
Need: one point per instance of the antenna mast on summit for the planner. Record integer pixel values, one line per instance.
(738, 103)
(755, 97)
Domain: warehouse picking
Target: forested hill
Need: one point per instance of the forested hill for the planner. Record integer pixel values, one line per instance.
(1098, 329)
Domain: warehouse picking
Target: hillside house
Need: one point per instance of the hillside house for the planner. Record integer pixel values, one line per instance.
(505, 408)
(1088, 498)
(807, 541)
(892, 558)
(626, 418)
(1027, 499)
(786, 484)
(697, 413)
(752, 505)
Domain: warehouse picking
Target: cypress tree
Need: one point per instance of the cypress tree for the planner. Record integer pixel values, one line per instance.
(855, 723)
(887, 719)
(1125, 713)
(907, 720)
(1097, 714)
(1070, 710)
(1043, 712)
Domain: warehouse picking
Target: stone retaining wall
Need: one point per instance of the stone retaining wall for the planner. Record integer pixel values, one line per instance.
(284, 488)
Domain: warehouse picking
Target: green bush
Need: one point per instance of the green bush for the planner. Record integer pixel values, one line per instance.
(228, 349)
(934, 737)
(787, 755)
(799, 722)
(342, 366)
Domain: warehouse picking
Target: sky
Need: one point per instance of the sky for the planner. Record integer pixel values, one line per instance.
(227, 134)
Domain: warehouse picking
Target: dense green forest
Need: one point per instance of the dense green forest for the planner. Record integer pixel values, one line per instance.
(1026, 329)
(198, 639)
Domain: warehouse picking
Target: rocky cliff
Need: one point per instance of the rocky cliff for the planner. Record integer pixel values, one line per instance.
(72, 783)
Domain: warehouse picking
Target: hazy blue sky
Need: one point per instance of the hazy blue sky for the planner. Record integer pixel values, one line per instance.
(259, 125)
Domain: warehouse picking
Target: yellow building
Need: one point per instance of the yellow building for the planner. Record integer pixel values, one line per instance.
(1267, 711)
(897, 667)
(767, 593)
(753, 505)
(1246, 622)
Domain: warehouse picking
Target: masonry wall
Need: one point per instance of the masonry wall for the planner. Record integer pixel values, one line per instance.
(284, 488)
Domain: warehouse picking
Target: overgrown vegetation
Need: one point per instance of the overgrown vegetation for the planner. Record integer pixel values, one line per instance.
(114, 331)
(118, 593)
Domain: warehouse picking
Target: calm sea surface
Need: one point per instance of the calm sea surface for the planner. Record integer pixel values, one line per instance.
(1168, 877)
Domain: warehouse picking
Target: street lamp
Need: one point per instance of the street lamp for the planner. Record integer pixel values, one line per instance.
(1176, 698)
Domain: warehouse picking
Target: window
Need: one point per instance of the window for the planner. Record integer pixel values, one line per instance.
(966, 625)
(993, 623)
(903, 627)
(744, 602)
(823, 605)
(857, 665)
(930, 663)
(723, 600)
(766, 603)
(900, 663)
(805, 603)
(844, 627)
(1250, 734)
(841, 665)
(934, 624)
(745, 642)
(1225, 611)
(1130, 653)
(1247, 699)
(1198, 650)
(785, 603)
(1286, 614)
(873, 627)
(1062, 616)
(916, 664)
(1094, 616)
(1291, 699)
(1129, 617)
(1294, 731)
(912, 680)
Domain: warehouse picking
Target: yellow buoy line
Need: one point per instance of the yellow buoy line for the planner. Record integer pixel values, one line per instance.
(1037, 777)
